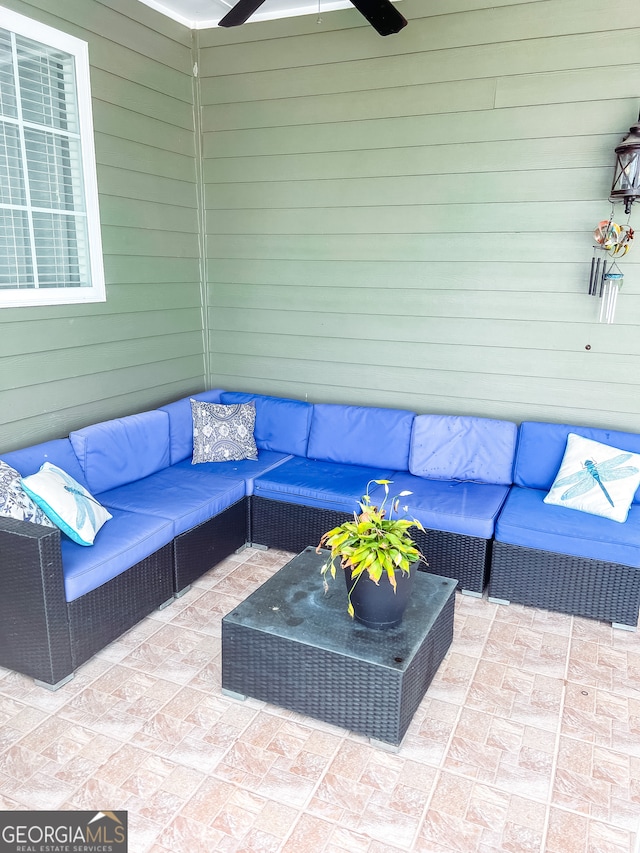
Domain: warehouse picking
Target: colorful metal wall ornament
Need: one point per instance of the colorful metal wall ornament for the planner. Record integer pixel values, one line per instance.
(611, 242)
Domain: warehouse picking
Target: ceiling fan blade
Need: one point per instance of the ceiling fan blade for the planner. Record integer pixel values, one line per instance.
(240, 13)
(382, 15)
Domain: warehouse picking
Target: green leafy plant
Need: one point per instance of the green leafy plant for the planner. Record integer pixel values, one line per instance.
(372, 544)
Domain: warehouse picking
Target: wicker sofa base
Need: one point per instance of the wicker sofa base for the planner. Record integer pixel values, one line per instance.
(292, 527)
(34, 627)
(567, 584)
(202, 547)
(102, 615)
(44, 636)
(453, 555)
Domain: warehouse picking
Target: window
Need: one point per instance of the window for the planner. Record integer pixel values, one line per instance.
(50, 246)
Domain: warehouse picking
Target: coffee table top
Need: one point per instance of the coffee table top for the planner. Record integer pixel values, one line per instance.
(293, 605)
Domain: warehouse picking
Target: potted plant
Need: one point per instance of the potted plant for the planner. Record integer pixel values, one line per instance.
(377, 555)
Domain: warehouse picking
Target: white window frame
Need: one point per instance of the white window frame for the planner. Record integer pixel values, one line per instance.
(95, 291)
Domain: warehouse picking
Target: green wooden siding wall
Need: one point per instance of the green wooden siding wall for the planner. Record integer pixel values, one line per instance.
(67, 366)
(406, 221)
(401, 221)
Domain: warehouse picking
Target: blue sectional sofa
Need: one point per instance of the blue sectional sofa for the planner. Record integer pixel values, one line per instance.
(173, 520)
(457, 469)
(556, 558)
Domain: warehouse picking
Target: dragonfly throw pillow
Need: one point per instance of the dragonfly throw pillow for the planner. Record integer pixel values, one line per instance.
(596, 478)
(66, 503)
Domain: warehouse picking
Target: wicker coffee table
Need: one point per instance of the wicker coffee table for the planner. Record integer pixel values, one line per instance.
(293, 645)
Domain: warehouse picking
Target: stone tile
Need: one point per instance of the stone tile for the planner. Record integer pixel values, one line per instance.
(527, 740)
(309, 833)
(443, 832)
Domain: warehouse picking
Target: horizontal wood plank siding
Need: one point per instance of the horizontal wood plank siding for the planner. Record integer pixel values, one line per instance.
(62, 367)
(399, 221)
(406, 221)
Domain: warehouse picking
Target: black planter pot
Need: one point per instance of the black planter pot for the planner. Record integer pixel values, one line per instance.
(377, 605)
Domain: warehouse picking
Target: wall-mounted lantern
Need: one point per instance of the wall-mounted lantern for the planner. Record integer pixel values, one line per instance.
(626, 180)
(613, 241)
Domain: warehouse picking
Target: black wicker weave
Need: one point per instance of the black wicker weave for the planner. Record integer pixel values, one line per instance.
(42, 635)
(292, 644)
(34, 626)
(454, 555)
(291, 527)
(575, 585)
(100, 616)
(204, 546)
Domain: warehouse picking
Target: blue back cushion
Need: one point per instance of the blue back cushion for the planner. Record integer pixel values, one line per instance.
(113, 453)
(448, 447)
(59, 452)
(359, 435)
(181, 423)
(541, 447)
(281, 424)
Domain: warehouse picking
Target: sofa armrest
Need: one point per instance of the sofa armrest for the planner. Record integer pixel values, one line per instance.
(34, 625)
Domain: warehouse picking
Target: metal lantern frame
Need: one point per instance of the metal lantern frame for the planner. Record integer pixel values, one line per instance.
(613, 241)
(626, 180)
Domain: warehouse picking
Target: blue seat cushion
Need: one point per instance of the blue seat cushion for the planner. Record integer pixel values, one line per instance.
(321, 484)
(127, 538)
(282, 425)
(526, 520)
(451, 505)
(181, 423)
(450, 447)
(186, 496)
(120, 451)
(360, 435)
(541, 448)
(244, 469)
(28, 460)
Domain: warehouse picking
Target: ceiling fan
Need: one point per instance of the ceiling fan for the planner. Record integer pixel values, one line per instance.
(381, 14)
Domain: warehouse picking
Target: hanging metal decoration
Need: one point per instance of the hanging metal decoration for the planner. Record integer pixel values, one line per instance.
(611, 285)
(611, 242)
(626, 180)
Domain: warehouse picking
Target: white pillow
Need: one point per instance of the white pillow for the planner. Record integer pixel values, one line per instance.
(596, 478)
(15, 502)
(66, 503)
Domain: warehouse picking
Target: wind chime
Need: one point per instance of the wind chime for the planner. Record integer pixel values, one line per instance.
(613, 241)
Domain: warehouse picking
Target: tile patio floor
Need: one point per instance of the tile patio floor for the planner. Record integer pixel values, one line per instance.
(527, 740)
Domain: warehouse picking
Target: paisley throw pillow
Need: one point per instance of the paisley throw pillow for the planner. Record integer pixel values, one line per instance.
(15, 502)
(223, 433)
